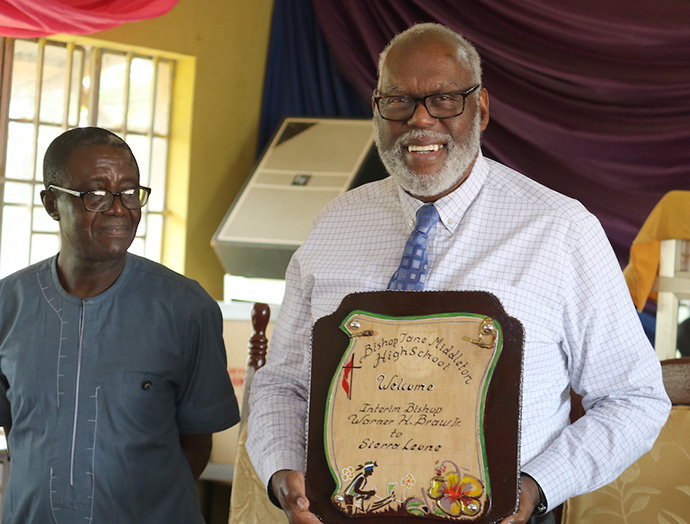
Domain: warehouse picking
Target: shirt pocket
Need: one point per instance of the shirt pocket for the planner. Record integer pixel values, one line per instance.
(538, 312)
(148, 400)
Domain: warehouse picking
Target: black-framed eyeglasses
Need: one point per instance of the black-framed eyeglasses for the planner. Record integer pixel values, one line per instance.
(99, 200)
(439, 105)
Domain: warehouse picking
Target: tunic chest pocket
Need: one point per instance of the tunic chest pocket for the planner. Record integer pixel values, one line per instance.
(148, 397)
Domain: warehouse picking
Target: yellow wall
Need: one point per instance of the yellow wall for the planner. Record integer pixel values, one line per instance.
(226, 42)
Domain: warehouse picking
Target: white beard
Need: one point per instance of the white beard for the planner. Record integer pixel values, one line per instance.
(459, 157)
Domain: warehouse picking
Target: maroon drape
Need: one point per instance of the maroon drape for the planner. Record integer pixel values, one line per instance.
(589, 97)
(34, 18)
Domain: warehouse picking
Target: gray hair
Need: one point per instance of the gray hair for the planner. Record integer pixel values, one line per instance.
(428, 30)
(59, 151)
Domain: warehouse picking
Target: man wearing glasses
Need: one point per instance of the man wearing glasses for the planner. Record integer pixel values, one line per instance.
(113, 371)
(542, 254)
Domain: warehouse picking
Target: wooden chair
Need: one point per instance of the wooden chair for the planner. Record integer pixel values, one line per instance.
(656, 488)
(659, 266)
(249, 503)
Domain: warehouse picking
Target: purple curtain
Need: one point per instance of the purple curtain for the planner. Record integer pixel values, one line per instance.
(591, 98)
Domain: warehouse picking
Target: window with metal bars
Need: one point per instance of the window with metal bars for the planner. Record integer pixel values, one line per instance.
(49, 87)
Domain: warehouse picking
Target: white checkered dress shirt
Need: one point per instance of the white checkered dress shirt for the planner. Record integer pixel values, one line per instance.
(545, 257)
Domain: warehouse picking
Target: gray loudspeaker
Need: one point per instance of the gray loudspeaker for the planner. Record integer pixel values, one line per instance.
(308, 163)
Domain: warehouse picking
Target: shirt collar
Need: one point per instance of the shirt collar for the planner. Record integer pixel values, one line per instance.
(130, 260)
(452, 207)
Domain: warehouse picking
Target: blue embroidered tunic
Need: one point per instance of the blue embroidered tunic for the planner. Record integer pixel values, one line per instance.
(98, 391)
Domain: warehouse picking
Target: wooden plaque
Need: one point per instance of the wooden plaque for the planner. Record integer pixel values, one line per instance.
(414, 409)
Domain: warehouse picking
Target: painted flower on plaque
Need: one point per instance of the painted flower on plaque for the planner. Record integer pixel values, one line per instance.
(455, 495)
(440, 468)
(348, 473)
(408, 480)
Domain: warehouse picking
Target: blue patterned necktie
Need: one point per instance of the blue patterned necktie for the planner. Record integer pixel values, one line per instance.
(411, 274)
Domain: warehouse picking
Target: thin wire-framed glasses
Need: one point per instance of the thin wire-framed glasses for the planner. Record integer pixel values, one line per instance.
(99, 200)
(439, 105)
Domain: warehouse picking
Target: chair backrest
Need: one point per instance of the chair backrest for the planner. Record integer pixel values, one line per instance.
(249, 503)
(258, 346)
(677, 380)
(656, 488)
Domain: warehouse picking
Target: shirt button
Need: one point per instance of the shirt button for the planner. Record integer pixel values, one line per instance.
(451, 221)
(146, 385)
(411, 223)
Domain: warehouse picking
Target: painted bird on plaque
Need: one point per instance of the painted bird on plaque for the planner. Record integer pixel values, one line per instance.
(414, 409)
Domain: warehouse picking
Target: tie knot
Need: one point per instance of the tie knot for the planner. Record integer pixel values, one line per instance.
(427, 216)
